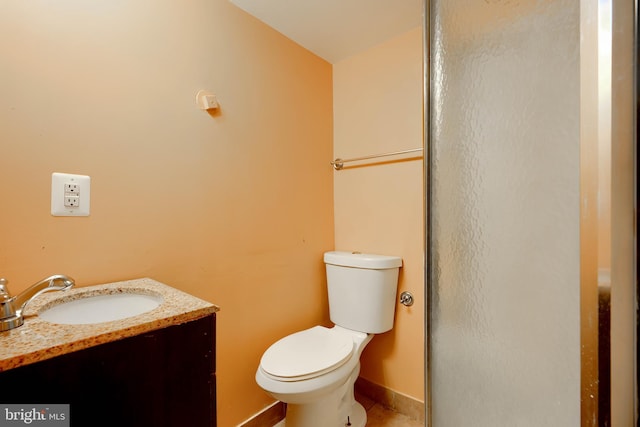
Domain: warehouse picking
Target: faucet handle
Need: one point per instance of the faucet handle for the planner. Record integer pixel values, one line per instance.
(57, 282)
(7, 309)
(12, 308)
(4, 292)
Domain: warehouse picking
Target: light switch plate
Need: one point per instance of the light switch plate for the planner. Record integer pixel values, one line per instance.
(70, 194)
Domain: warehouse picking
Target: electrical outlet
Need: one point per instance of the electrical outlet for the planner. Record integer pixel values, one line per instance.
(70, 194)
(71, 201)
(71, 188)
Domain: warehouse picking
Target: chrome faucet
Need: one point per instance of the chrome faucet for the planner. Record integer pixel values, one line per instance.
(12, 308)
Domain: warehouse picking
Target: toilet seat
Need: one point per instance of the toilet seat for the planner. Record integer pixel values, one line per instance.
(307, 354)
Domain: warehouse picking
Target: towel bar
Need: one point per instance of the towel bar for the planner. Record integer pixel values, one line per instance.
(339, 163)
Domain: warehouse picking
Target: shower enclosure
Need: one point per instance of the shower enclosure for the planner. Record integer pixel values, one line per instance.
(530, 197)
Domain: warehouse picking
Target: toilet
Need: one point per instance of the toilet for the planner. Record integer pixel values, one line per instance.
(314, 371)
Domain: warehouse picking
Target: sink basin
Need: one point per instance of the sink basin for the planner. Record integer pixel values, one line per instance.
(100, 308)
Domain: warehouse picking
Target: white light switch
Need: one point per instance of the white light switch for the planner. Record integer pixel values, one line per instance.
(70, 194)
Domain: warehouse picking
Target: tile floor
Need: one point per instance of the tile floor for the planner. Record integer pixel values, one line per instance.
(379, 416)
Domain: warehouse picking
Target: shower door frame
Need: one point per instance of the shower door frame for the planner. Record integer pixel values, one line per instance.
(588, 409)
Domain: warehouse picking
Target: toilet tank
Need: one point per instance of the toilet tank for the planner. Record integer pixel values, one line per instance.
(362, 290)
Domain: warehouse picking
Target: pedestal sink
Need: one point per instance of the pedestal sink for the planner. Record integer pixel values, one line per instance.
(94, 308)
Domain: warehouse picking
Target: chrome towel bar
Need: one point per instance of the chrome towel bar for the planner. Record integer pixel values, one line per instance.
(339, 163)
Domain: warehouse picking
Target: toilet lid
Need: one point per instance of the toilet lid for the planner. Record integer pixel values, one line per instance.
(307, 354)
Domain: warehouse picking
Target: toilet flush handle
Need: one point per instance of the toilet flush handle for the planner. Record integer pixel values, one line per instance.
(406, 299)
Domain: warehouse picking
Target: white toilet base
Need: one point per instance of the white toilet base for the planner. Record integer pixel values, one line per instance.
(338, 409)
(357, 418)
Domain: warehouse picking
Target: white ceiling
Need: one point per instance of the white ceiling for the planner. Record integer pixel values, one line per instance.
(336, 29)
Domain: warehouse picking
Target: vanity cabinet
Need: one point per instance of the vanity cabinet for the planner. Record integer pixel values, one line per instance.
(161, 378)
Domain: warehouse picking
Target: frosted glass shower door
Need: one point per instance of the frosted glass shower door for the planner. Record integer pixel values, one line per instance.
(505, 213)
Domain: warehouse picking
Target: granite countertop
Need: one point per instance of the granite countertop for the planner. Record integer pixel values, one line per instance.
(38, 339)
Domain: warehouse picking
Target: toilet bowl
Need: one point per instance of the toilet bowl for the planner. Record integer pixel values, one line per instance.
(317, 385)
(314, 370)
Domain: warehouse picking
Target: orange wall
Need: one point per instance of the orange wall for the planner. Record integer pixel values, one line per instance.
(379, 208)
(235, 208)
